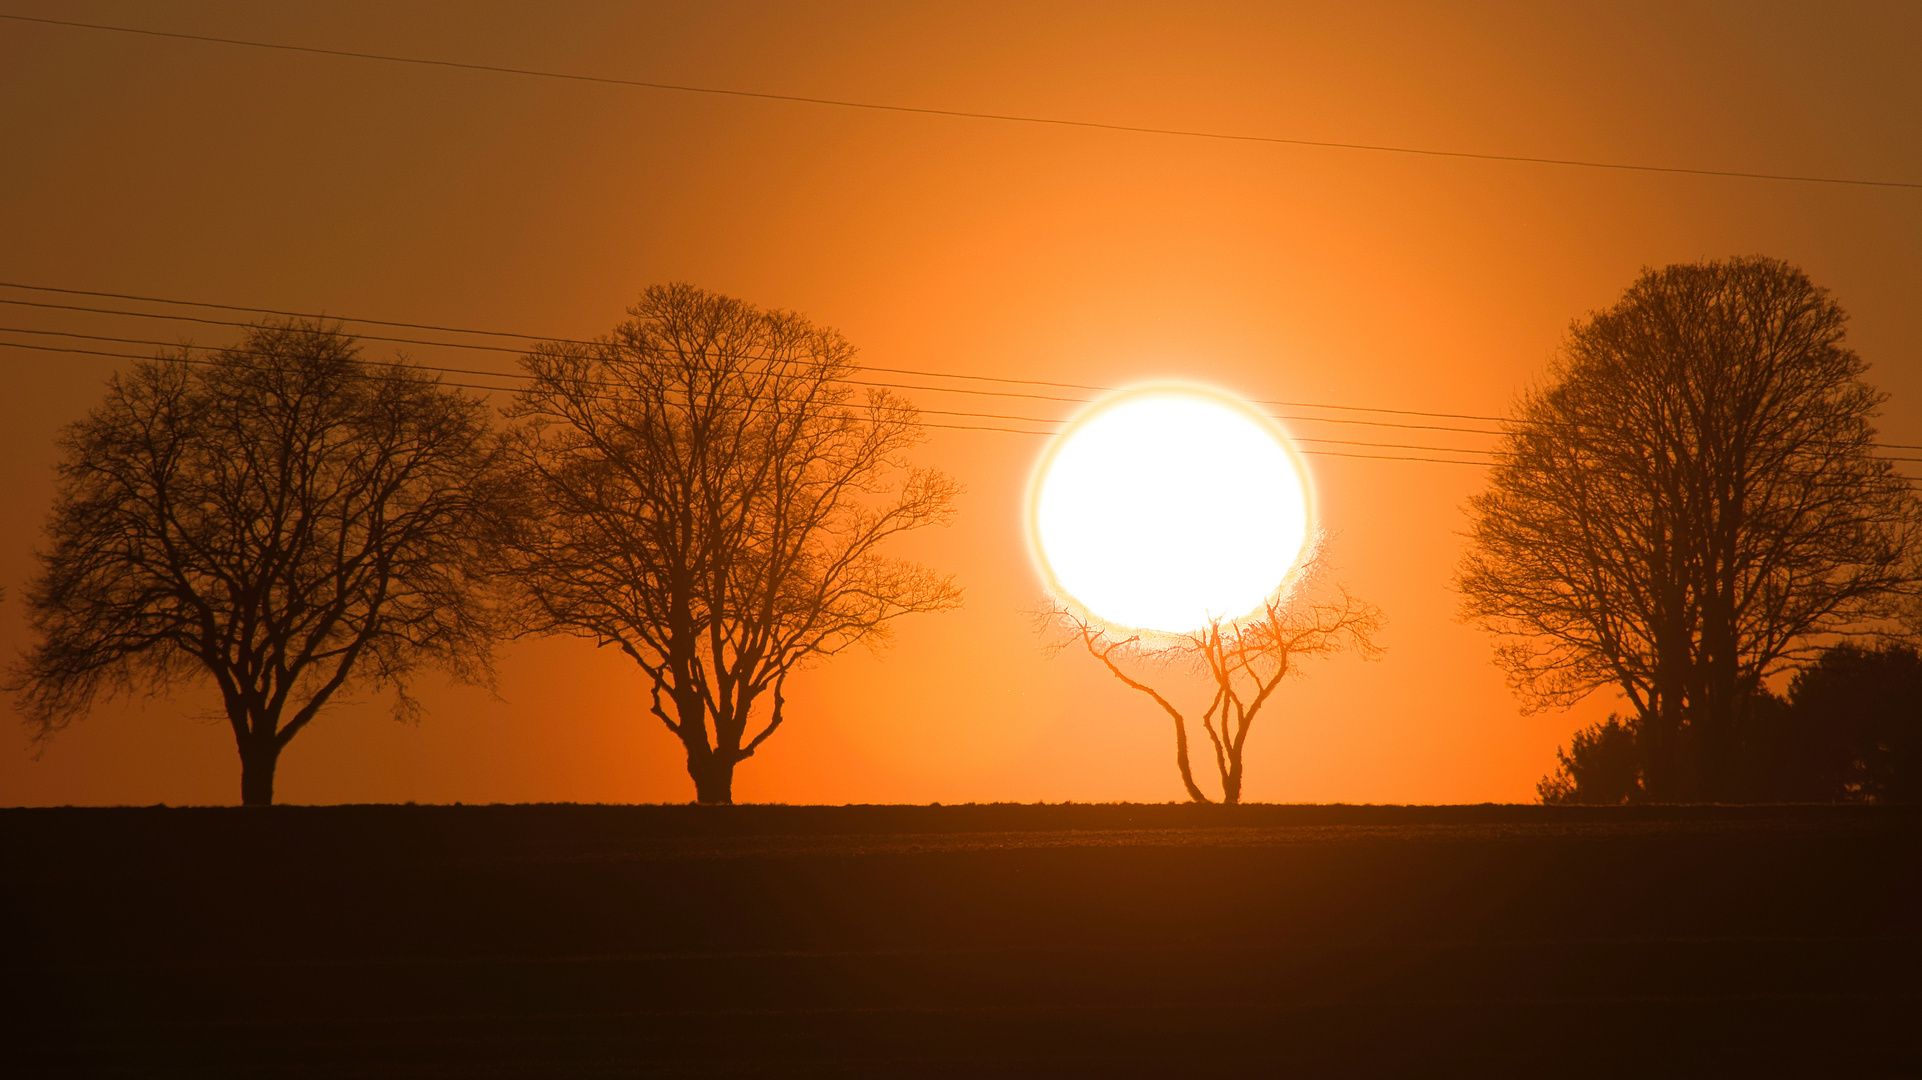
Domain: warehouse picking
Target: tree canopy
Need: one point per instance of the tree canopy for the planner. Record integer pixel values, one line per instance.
(712, 497)
(285, 520)
(1690, 503)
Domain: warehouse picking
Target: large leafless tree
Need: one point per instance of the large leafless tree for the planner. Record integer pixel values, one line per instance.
(285, 520)
(1244, 661)
(1691, 501)
(713, 498)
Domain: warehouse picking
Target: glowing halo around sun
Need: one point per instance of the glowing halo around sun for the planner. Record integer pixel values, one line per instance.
(1165, 507)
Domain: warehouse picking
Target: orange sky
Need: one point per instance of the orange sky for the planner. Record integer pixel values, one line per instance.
(275, 180)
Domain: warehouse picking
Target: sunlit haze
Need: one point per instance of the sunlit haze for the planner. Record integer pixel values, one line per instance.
(935, 539)
(984, 256)
(1167, 508)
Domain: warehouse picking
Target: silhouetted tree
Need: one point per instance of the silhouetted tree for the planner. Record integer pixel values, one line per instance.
(1691, 503)
(711, 499)
(1866, 705)
(1849, 730)
(1601, 767)
(1244, 659)
(286, 520)
(1777, 753)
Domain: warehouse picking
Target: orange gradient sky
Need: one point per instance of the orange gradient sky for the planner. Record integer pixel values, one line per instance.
(309, 183)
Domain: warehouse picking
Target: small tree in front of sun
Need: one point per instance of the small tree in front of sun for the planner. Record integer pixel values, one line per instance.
(1161, 508)
(1244, 660)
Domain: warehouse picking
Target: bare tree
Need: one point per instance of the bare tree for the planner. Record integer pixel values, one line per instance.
(713, 500)
(1691, 502)
(1244, 659)
(284, 519)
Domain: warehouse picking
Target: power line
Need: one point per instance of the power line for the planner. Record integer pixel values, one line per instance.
(854, 382)
(578, 341)
(523, 376)
(188, 360)
(948, 427)
(452, 330)
(886, 385)
(969, 115)
(266, 311)
(276, 311)
(945, 427)
(455, 370)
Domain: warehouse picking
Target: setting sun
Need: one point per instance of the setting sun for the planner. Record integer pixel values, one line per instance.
(1166, 507)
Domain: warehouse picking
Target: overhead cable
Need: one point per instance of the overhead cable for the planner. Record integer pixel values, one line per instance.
(122, 312)
(580, 341)
(1012, 118)
(189, 360)
(1024, 395)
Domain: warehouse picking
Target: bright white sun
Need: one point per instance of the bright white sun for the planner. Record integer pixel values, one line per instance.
(1163, 508)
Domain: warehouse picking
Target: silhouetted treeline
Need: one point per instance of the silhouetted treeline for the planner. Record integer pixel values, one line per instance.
(286, 521)
(1848, 729)
(1690, 505)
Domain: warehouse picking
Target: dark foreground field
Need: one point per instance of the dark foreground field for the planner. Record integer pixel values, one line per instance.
(962, 941)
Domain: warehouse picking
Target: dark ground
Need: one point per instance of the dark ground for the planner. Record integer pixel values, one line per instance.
(962, 941)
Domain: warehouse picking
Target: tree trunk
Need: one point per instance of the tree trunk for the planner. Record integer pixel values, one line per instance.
(1660, 736)
(713, 776)
(257, 773)
(1181, 762)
